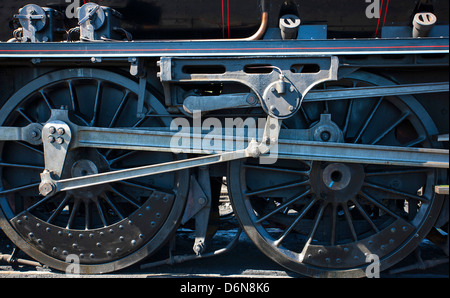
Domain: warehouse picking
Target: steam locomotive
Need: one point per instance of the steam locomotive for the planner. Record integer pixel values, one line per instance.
(322, 125)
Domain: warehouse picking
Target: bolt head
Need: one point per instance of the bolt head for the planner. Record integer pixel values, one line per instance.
(51, 139)
(51, 130)
(60, 140)
(61, 131)
(46, 188)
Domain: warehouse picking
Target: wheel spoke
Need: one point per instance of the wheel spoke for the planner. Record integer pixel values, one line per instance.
(46, 99)
(24, 187)
(394, 192)
(276, 188)
(126, 198)
(113, 206)
(30, 148)
(349, 220)
(96, 104)
(283, 206)
(314, 229)
(22, 166)
(378, 204)
(366, 216)
(368, 120)
(276, 169)
(73, 214)
(59, 209)
(145, 187)
(295, 222)
(389, 129)
(73, 97)
(119, 109)
(100, 213)
(24, 115)
(347, 118)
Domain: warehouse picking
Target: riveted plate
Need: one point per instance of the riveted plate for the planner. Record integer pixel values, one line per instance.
(354, 254)
(97, 245)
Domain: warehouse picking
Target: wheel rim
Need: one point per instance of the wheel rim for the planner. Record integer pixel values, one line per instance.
(107, 227)
(325, 219)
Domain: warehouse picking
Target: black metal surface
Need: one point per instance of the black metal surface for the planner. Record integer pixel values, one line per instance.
(324, 219)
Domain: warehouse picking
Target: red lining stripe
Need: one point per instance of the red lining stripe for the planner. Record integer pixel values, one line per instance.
(379, 18)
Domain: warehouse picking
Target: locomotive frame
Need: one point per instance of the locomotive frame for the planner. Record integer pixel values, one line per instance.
(340, 187)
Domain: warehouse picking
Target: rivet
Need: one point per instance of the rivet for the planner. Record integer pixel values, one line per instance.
(320, 251)
(118, 250)
(141, 236)
(39, 241)
(19, 222)
(147, 208)
(91, 235)
(346, 249)
(391, 241)
(82, 256)
(38, 225)
(338, 260)
(81, 236)
(99, 244)
(109, 253)
(393, 230)
(153, 223)
(75, 246)
(121, 238)
(111, 231)
(70, 235)
(121, 227)
(55, 249)
(25, 217)
(404, 228)
(102, 233)
(31, 235)
(130, 222)
(328, 260)
(165, 199)
(133, 242)
(65, 252)
(60, 233)
(383, 247)
(92, 256)
(158, 215)
(48, 229)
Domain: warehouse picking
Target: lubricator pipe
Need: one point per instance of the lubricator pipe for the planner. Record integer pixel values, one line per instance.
(423, 23)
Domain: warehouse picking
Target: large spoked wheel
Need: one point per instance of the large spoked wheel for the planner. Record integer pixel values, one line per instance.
(331, 219)
(106, 227)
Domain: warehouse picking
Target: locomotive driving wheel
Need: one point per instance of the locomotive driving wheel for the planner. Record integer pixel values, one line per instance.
(334, 219)
(106, 227)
